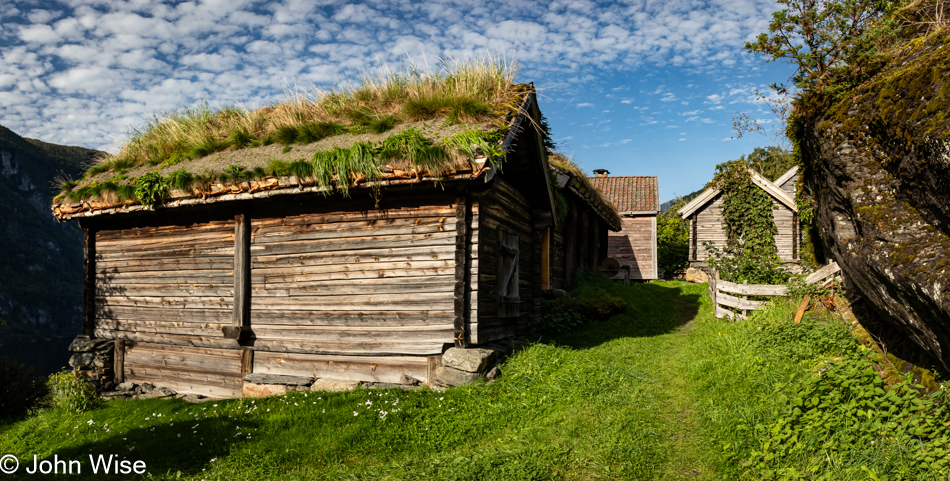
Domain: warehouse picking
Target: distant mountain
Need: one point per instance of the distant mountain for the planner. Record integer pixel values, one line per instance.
(685, 198)
(40, 259)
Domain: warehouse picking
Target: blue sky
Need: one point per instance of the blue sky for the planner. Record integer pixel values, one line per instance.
(639, 87)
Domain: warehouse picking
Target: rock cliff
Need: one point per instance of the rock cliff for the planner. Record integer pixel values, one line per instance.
(878, 165)
(40, 259)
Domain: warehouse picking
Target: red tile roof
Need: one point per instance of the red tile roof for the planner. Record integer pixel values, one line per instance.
(630, 193)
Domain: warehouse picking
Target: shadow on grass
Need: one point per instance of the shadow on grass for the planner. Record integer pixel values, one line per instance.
(172, 450)
(652, 309)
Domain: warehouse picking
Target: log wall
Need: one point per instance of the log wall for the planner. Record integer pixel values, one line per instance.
(377, 283)
(502, 209)
(635, 246)
(167, 291)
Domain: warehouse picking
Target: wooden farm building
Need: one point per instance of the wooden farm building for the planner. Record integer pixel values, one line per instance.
(369, 278)
(706, 224)
(637, 198)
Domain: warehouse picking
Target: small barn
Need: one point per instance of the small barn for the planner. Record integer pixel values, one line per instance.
(706, 224)
(292, 258)
(637, 198)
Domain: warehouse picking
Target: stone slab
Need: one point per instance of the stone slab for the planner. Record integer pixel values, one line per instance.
(330, 385)
(250, 389)
(454, 377)
(468, 359)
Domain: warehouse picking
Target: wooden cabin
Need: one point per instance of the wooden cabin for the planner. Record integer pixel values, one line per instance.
(706, 224)
(637, 199)
(279, 275)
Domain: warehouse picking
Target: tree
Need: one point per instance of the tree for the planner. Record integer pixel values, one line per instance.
(672, 240)
(780, 106)
(834, 44)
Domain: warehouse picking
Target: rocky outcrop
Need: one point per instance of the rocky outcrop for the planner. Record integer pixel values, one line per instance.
(42, 259)
(878, 165)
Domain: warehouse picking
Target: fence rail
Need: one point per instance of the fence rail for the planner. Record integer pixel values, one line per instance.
(729, 294)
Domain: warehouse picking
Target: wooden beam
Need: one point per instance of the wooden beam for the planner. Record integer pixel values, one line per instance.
(247, 361)
(89, 281)
(545, 258)
(118, 358)
(463, 252)
(241, 316)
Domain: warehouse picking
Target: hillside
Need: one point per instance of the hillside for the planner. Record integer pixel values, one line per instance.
(42, 259)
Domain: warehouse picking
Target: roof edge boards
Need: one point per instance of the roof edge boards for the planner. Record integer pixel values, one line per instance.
(787, 175)
(700, 200)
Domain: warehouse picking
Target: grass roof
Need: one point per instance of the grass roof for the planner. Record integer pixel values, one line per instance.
(406, 123)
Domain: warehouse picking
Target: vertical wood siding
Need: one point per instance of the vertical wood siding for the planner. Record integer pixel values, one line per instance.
(634, 246)
(709, 228)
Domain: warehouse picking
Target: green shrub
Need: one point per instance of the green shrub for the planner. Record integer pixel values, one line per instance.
(743, 265)
(151, 188)
(20, 392)
(71, 393)
(672, 243)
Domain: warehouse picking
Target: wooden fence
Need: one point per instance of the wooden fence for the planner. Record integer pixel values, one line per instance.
(729, 294)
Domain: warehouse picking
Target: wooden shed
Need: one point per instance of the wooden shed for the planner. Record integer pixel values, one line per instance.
(365, 280)
(706, 224)
(637, 198)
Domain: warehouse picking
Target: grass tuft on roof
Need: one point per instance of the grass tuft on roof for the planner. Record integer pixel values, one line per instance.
(477, 96)
(462, 92)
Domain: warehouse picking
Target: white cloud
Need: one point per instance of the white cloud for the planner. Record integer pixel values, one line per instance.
(120, 59)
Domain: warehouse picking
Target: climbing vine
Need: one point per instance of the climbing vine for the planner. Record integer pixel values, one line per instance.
(750, 253)
(746, 212)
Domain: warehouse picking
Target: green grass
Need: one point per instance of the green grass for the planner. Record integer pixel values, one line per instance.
(593, 406)
(662, 391)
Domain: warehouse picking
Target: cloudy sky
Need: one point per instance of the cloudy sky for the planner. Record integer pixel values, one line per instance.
(639, 87)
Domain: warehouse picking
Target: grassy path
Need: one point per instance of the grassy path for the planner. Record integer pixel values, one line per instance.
(609, 401)
(656, 337)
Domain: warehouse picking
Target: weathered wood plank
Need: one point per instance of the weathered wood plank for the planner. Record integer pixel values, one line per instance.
(170, 339)
(163, 327)
(162, 314)
(354, 257)
(731, 301)
(348, 216)
(389, 369)
(241, 300)
(357, 334)
(823, 273)
(752, 289)
(353, 243)
(182, 302)
(370, 302)
(422, 348)
(356, 317)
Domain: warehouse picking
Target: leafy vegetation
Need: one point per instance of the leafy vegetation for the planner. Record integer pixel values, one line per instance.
(72, 394)
(672, 241)
(662, 390)
(750, 254)
(834, 45)
(805, 401)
